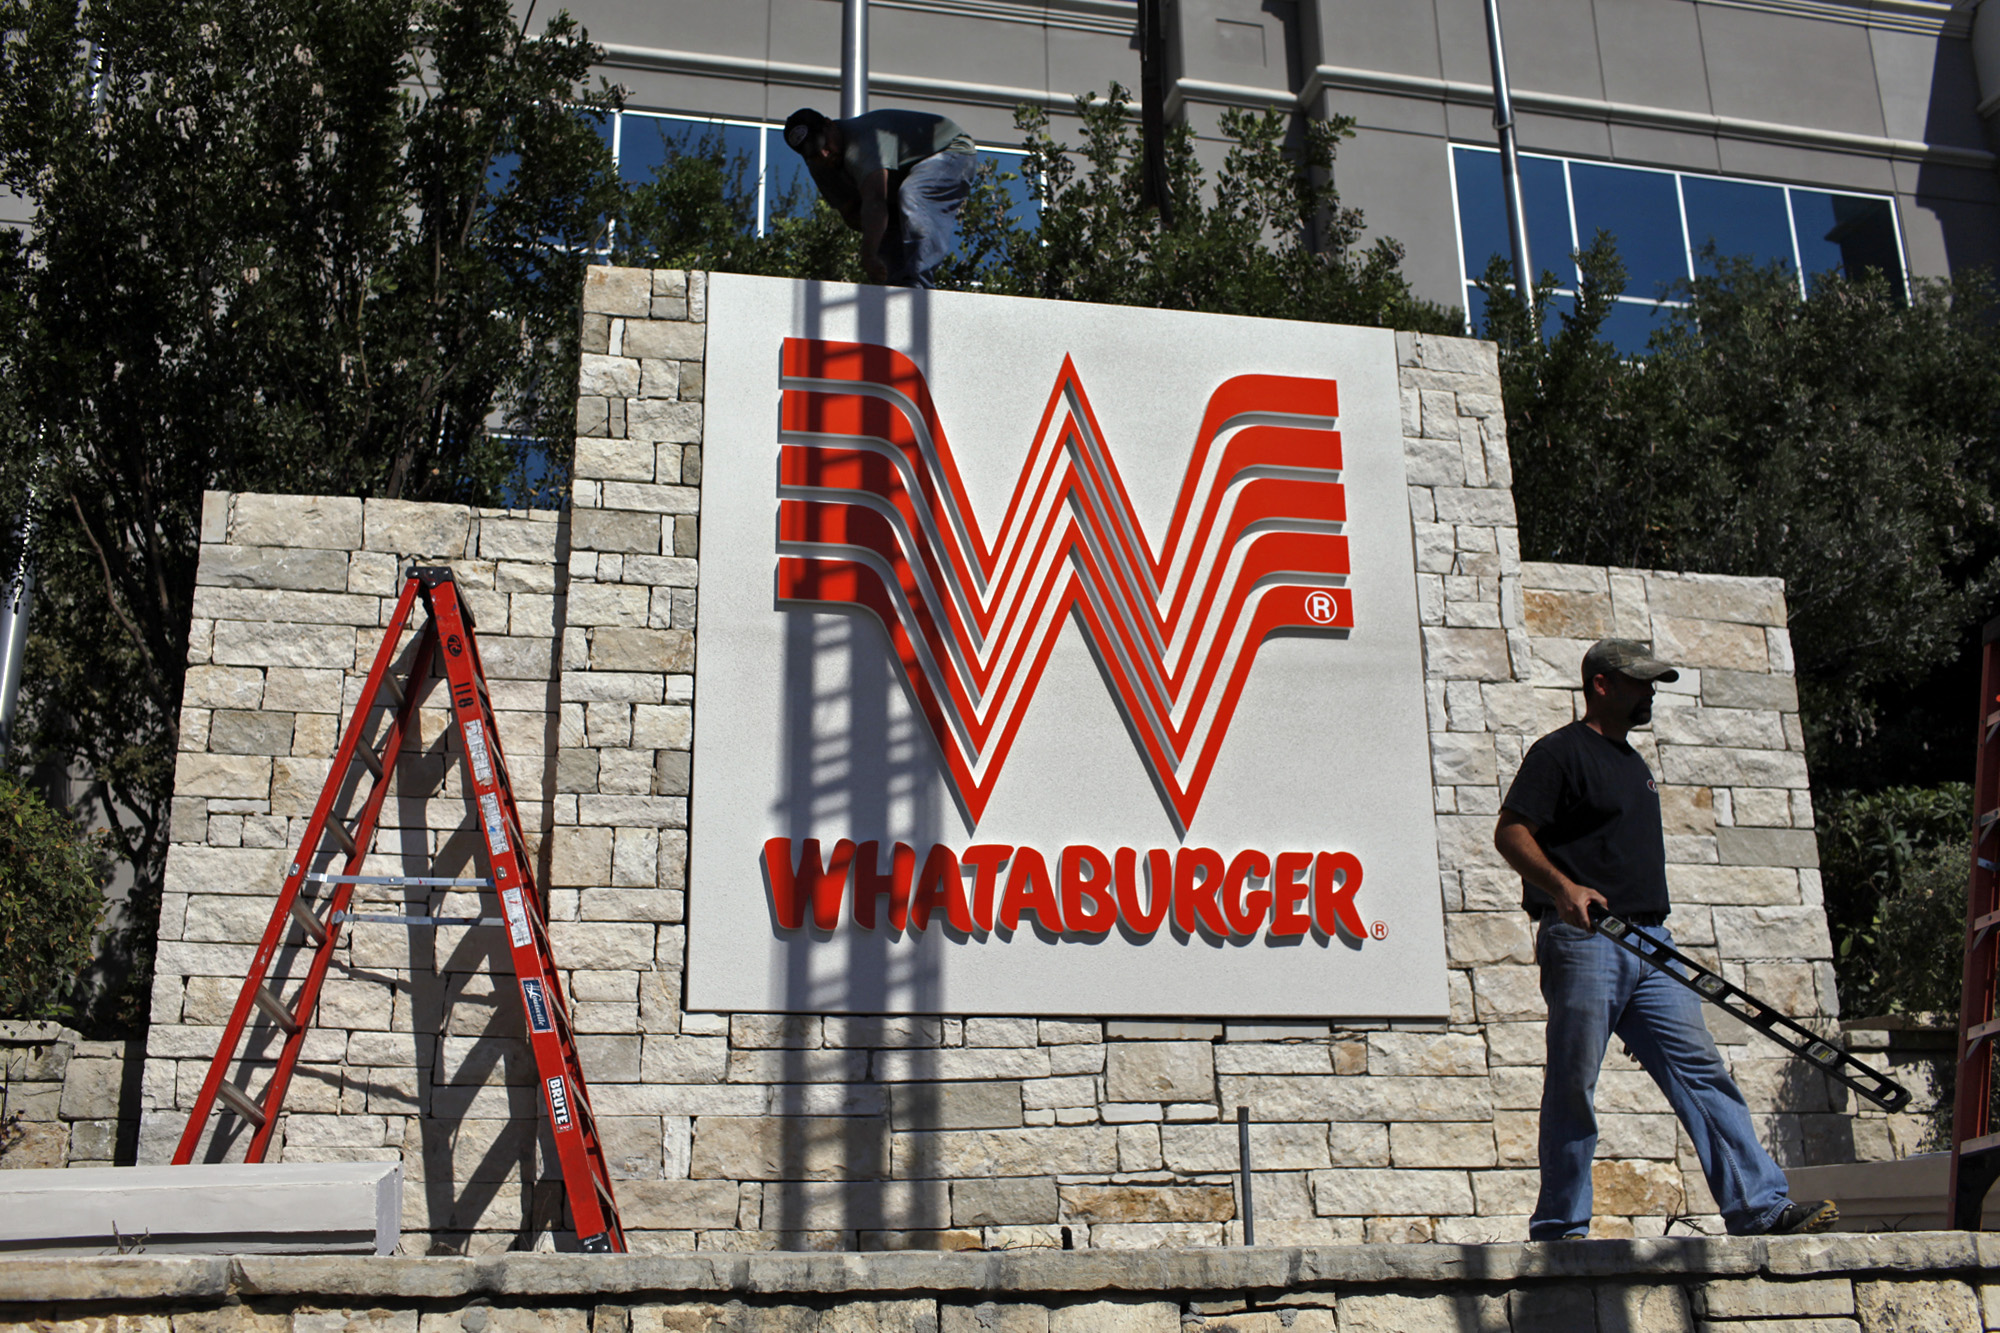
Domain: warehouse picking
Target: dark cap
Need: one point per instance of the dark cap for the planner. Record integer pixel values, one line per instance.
(1625, 657)
(803, 129)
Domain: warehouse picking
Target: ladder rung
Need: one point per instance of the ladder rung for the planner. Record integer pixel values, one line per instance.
(1983, 1144)
(341, 836)
(366, 754)
(1980, 925)
(395, 690)
(386, 919)
(309, 923)
(275, 1008)
(420, 880)
(239, 1102)
(1977, 1033)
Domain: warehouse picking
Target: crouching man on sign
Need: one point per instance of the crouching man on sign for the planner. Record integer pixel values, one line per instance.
(897, 177)
(1581, 824)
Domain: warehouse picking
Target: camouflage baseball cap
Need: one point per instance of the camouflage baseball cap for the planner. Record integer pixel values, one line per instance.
(1625, 657)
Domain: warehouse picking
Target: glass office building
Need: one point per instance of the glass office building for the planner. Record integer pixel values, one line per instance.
(1823, 134)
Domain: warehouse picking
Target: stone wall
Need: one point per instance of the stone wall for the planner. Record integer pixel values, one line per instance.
(1843, 1284)
(749, 1131)
(65, 1099)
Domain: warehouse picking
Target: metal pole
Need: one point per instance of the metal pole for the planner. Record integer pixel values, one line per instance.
(14, 630)
(853, 58)
(1153, 107)
(1243, 1162)
(1510, 160)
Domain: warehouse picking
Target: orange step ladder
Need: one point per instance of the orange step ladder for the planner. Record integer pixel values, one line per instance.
(446, 637)
(1975, 1149)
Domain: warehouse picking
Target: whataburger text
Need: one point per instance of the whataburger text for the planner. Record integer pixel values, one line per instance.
(1087, 893)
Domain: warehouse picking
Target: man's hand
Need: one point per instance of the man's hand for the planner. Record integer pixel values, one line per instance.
(1514, 837)
(1574, 901)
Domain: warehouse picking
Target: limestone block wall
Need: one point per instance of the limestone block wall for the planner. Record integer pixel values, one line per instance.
(759, 1131)
(64, 1100)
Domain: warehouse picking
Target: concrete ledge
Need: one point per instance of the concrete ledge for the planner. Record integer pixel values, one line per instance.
(559, 1279)
(1906, 1195)
(305, 1208)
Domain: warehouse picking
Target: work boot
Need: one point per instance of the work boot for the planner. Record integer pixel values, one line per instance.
(1799, 1219)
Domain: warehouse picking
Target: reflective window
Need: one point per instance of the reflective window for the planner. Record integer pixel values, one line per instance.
(1640, 208)
(1663, 222)
(771, 172)
(1739, 218)
(1482, 213)
(1849, 232)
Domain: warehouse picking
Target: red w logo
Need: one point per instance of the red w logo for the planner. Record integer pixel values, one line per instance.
(872, 514)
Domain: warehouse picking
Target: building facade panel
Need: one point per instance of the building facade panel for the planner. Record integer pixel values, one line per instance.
(1791, 71)
(1652, 54)
(1356, 34)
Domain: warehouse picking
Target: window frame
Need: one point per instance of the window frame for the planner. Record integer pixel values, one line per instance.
(1453, 148)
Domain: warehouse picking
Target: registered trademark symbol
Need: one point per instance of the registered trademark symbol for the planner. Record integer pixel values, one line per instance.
(1321, 607)
(1380, 930)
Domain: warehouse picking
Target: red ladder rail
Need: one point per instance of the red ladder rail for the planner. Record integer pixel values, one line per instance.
(565, 1095)
(1975, 1149)
(322, 933)
(448, 636)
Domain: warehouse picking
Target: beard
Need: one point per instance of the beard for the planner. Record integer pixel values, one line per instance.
(1641, 714)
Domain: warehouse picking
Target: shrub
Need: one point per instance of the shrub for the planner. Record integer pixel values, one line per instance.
(51, 899)
(1885, 856)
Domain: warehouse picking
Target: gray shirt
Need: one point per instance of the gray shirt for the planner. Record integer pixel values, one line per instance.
(897, 140)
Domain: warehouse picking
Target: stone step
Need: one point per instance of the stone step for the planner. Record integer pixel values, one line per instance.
(1906, 1195)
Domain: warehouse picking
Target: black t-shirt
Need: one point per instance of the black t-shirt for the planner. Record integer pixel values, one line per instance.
(1597, 812)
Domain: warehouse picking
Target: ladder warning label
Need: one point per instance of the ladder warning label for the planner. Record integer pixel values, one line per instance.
(496, 825)
(559, 1102)
(517, 916)
(538, 1005)
(475, 751)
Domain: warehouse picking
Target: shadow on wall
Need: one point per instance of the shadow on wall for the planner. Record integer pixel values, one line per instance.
(1965, 200)
(856, 756)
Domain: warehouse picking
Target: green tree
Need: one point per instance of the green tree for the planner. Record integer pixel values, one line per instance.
(51, 899)
(1267, 236)
(318, 246)
(1847, 443)
(699, 211)
(1887, 859)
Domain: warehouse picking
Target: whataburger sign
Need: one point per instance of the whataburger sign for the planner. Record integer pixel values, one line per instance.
(1055, 659)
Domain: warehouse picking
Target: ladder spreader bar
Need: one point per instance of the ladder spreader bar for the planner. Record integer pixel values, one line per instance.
(422, 881)
(388, 920)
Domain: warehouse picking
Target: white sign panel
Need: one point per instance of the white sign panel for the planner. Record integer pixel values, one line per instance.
(1055, 659)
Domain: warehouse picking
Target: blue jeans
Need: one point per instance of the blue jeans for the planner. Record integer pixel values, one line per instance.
(927, 203)
(1595, 989)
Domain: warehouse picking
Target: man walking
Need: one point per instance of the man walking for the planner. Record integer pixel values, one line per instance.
(1581, 823)
(897, 177)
